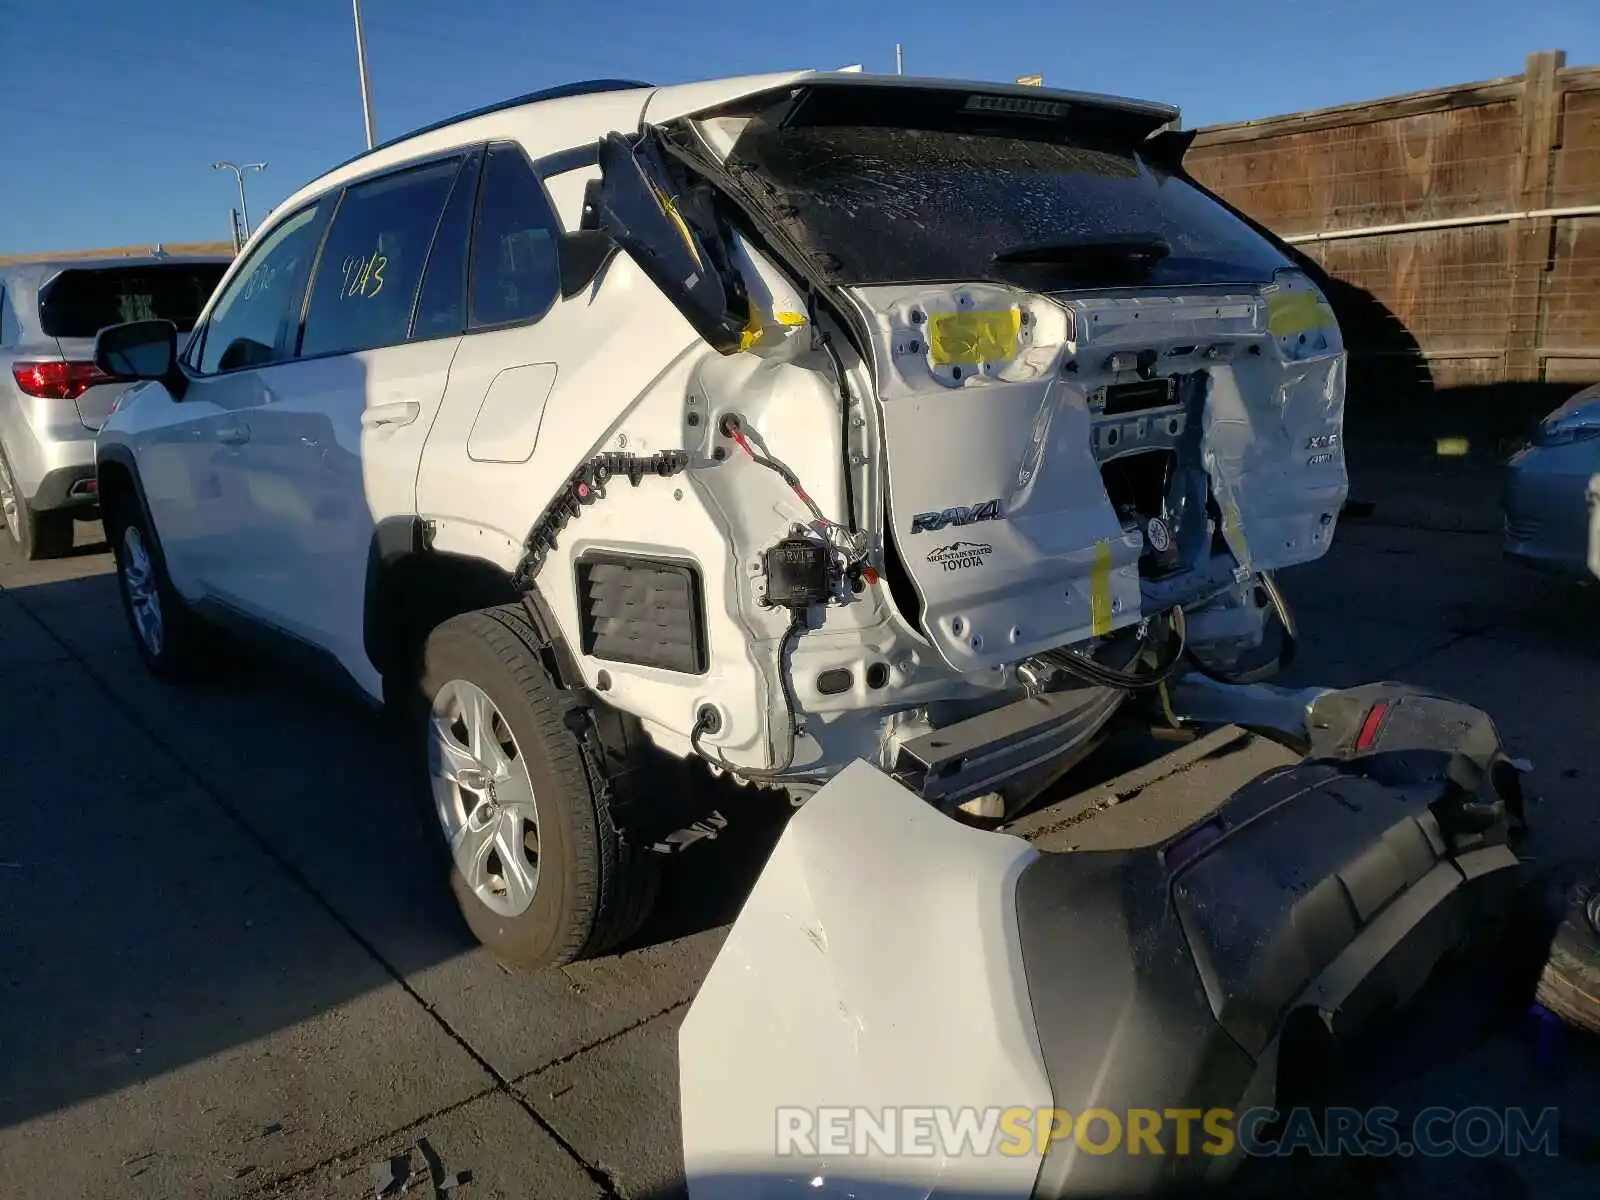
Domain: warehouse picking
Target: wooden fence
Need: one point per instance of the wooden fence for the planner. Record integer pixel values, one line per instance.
(1465, 220)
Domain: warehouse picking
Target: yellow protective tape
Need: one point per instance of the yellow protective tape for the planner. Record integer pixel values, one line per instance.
(1289, 313)
(683, 228)
(1100, 590)
(752, 331)
(1234, 532)
(756, 328)
(974, 337)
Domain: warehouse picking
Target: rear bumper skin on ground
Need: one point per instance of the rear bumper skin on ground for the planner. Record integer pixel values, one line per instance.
(1169, 974)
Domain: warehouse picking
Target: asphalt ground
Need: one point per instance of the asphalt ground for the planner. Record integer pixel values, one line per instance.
(227, 967)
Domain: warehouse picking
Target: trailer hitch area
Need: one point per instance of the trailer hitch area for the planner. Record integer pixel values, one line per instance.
(1401, 734)
(1199, 700)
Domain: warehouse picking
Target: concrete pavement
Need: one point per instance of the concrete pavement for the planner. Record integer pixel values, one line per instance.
(227, 969)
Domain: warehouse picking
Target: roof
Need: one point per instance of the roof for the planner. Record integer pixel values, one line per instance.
(579, 114)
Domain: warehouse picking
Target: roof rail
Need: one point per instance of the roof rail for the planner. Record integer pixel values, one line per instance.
(585, 87)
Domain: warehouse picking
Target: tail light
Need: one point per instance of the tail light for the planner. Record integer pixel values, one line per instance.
(58, 380)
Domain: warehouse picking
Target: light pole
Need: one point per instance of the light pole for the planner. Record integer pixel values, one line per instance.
(238, 171)
(366, 84)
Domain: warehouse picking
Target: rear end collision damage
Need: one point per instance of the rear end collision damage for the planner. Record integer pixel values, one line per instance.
(934, 500)
(1203, 959)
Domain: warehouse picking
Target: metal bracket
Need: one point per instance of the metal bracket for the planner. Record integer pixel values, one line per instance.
(681, 839)
(1199, 700)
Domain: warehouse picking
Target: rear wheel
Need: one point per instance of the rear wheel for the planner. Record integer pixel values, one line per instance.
(38, 535)
(537, 866)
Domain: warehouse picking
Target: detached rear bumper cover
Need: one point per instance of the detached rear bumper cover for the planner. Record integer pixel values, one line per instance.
(891, 959)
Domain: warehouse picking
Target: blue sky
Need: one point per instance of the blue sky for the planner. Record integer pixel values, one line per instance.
(115, 111)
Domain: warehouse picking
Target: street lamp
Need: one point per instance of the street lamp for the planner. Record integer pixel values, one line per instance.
(238, 171)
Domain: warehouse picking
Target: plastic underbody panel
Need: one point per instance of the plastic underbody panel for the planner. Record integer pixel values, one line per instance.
(1160, 965)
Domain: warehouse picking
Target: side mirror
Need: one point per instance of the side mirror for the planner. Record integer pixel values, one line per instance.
(137, 350)
(583, 255)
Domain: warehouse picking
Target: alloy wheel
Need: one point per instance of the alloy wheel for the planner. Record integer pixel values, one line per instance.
(483, 796)
(144, 596)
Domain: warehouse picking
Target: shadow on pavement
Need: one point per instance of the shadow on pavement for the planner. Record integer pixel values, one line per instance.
(261, 865)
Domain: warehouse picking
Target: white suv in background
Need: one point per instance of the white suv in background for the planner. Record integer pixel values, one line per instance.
(858, 449)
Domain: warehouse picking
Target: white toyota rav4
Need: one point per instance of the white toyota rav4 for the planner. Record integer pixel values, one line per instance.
(775, 422)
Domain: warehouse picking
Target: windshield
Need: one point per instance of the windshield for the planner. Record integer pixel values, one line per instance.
(79, 303)
(876, 204)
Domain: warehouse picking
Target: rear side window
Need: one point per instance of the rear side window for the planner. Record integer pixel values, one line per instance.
(80, 302)
(367, 278)
(442, 306)
(255, 320)
(878, 202)
(515, 274)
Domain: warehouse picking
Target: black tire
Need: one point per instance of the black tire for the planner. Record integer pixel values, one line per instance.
(1569, 984)
(38, 535)
(594, 889)
(183, 650)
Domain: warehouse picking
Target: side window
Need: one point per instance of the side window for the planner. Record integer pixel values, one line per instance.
(367, 278)
(256, 318)
(442, 306)
(515, 276)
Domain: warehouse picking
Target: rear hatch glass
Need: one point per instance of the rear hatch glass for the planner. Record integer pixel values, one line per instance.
(886, 185)
(80, 302)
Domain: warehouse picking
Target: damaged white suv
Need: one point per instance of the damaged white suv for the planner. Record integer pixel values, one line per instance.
(779, 422)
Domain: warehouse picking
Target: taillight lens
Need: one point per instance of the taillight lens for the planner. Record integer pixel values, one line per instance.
(57, 380)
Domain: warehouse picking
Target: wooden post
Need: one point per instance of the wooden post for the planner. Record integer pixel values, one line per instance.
(1532, 241)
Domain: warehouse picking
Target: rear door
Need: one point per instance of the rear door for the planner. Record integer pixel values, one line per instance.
(375, 356)
(240, 365)
(81, 301)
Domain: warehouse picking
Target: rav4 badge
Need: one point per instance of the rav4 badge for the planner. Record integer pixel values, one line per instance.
(932, 522)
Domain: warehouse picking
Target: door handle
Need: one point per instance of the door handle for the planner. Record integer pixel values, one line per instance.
(233, 435)
(399, 412)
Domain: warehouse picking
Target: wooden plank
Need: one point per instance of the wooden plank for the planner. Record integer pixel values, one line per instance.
(1571, 289)
(1532, 240)
(1345, 115)
(120, 252)
(1428, 166)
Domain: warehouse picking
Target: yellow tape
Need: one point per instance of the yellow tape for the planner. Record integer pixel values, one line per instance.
(756, 327)
(752, 331)
(974, 337)
(683, 228)
(1100, 590)
(1235, 534)
(1289, 313)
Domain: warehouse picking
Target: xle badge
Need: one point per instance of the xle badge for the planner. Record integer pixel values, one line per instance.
(932, 522)
(958, 556)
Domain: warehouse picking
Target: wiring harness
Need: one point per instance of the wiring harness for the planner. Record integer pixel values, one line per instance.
(584, 486)
(1081, 665)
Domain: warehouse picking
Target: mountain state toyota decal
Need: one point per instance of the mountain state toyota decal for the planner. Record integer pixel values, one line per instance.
(958, 556)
